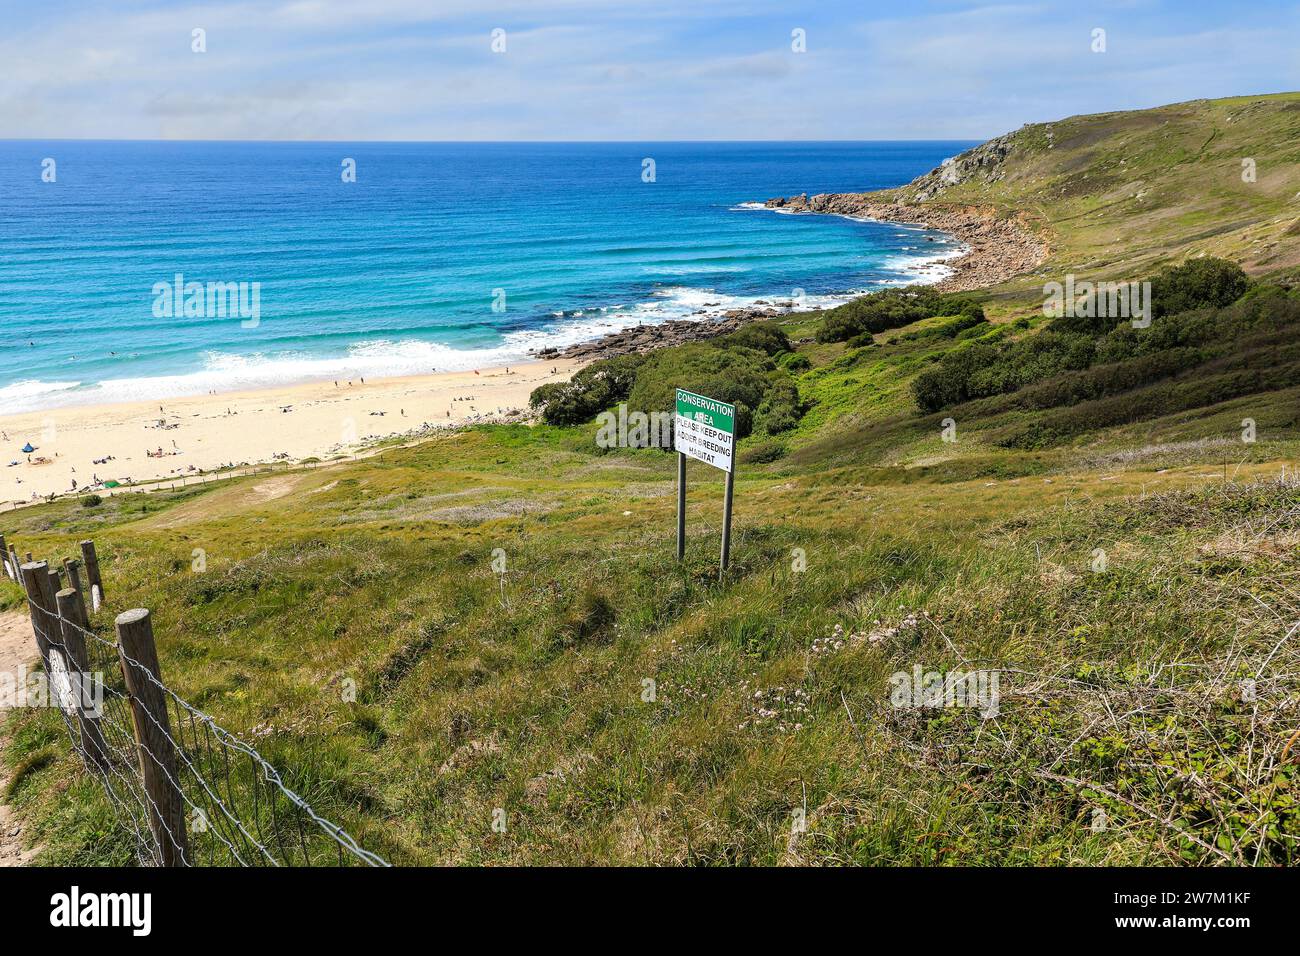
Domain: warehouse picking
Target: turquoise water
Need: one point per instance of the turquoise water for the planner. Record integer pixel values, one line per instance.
(439, 256)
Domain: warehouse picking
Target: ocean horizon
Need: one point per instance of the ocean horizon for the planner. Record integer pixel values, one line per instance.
(431, 257)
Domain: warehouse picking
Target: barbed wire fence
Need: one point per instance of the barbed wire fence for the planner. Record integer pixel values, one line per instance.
(187, 791)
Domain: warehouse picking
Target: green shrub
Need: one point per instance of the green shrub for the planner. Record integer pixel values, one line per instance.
(964, 326)
(1209, 324)
(765, 337)
(763, 453)
(780, 409)
(1164, 398)
(720, 368)
(1081, 383)
(980, 369)
(91, 501)
(892, 309)
(739, 376)
(591, 390)
(968, 327)
(1195, 284)
(797, 362)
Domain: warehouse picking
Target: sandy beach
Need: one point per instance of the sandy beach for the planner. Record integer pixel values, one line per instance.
(101, 448)
(119, 443)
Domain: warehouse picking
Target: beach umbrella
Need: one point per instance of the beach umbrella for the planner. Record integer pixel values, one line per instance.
(28, 449)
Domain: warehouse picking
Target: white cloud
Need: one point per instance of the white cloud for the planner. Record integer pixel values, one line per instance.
(592, 69)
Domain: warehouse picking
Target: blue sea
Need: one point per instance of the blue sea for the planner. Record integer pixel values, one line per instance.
(439, 256)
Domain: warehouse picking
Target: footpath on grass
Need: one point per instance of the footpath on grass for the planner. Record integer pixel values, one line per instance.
(16, 649)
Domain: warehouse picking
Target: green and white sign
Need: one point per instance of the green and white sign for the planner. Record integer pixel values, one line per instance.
(705, 429)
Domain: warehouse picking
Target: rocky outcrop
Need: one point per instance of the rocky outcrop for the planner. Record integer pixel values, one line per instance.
(997, 247)
(984, 163)
(646, 338)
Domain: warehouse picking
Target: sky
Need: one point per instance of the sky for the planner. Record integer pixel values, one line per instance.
(642, 70)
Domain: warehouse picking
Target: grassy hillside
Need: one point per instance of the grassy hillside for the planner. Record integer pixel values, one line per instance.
(1129, 577)
(524, 691)
(1119, 194)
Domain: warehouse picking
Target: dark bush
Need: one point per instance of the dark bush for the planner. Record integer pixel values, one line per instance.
(763, 453)
(765, 337)
(946, 384)
(1164, 398)
(1080, 383)
(1195, 284)
(721, 368)
(91, 501)
(892, 309)
(980, 369)
(591, 390)
(968, 327)
(734, 375)
(798, 363)
(780, 409)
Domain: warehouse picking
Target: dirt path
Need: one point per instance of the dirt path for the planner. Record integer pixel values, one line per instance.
(16, 648)
(226, 501)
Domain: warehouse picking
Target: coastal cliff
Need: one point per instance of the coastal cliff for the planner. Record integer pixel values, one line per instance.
(1116, 194)
(998, 246)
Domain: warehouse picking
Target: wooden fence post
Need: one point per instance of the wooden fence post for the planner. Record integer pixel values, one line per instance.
(73, 567)
(153, 735)
(72, 614)
(93, 580)
(36, 579)
(18, 568)
(56, 582)
(4, 556)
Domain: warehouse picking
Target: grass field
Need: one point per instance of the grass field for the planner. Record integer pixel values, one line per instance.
(523, 690)
(1132, 586)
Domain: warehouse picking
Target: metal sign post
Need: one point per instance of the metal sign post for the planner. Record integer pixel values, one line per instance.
(726, 521)
(704, 429)
(681, 505)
